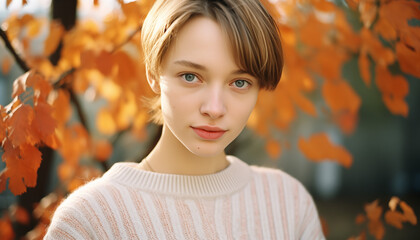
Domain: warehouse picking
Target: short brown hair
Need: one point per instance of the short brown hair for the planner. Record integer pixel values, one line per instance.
(252, 32)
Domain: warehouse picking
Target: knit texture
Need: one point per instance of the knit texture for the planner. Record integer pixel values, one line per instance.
(239, 202)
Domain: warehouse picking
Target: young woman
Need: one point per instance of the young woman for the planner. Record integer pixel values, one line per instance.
(206, 61)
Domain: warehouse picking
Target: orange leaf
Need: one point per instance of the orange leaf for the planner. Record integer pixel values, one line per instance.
(6, 228)
(273, 148)
(88, 59)
(324, 6)
(24, 2)
(20, 214)
(41, 86)
(385, 29)
(395, 85)
(395, 105)
(31, 158)
(66, 171)
(104, 62)
(377, 229)
(324, 226)
(373, 211)
(61, 106)
(6, 65)
(22, 164)
(318, 148)
(3, 181)
(346, 120)
(353, 4)
(103, 150)
(408, 58)
(408, 213)
(105, 122)
(52, 141)
(302, 102)
(8, 2)
(20, 125)
(394, 89)
(339, 96)
(34, 27)
(19, 85)
(132, 11)
(368, 11)
(393, 203)
(364, 66)
(95, 3)
(380, 54)
(284, 110)
(360, 218)
(394, 219)
(399, 12)
(3, 126)
(362, 235)
(43, 121)
(54, 38)
(75, 142)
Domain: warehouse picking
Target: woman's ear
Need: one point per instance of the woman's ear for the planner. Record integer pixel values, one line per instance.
(153, 83)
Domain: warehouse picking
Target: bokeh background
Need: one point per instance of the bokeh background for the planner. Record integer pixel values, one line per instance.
(384, 143)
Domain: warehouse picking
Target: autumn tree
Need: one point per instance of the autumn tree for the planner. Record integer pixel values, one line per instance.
(82, 62)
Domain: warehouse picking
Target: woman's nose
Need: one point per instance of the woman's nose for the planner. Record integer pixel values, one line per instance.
(213, 104)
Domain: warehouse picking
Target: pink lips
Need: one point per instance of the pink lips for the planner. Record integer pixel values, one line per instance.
(209, 132)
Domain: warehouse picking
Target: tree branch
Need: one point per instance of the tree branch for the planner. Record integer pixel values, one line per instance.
(138, 29)
(22, 64)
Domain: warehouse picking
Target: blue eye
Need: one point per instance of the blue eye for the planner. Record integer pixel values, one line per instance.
(241, 83)
(189, 77)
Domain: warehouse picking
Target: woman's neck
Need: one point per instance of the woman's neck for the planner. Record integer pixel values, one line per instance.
(171, 156)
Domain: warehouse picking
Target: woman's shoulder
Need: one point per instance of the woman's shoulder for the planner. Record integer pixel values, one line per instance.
(278, 179)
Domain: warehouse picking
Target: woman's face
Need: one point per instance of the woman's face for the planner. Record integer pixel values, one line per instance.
(206, 98)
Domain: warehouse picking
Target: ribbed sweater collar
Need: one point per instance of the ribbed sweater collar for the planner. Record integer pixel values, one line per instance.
(227, 181)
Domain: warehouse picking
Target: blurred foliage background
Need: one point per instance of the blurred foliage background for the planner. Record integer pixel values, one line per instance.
(344, 119)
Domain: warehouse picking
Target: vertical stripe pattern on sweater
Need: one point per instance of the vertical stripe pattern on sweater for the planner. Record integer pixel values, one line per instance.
(241, 202)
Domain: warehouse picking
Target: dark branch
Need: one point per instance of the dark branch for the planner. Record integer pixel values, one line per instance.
(12, 50)
(138, 29)
(79, 109)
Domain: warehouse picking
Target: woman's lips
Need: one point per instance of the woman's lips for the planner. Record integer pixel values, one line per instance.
(209, 132)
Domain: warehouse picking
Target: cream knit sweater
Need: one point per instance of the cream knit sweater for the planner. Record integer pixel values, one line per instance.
(239, 202)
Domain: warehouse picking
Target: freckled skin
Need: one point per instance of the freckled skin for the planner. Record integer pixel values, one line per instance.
(216, 93)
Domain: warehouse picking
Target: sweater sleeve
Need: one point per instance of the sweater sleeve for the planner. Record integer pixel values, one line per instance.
(311, 225)
(71, 221)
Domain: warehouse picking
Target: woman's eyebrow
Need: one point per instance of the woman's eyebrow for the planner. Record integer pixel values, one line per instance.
(191, 64)
(203, 68)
